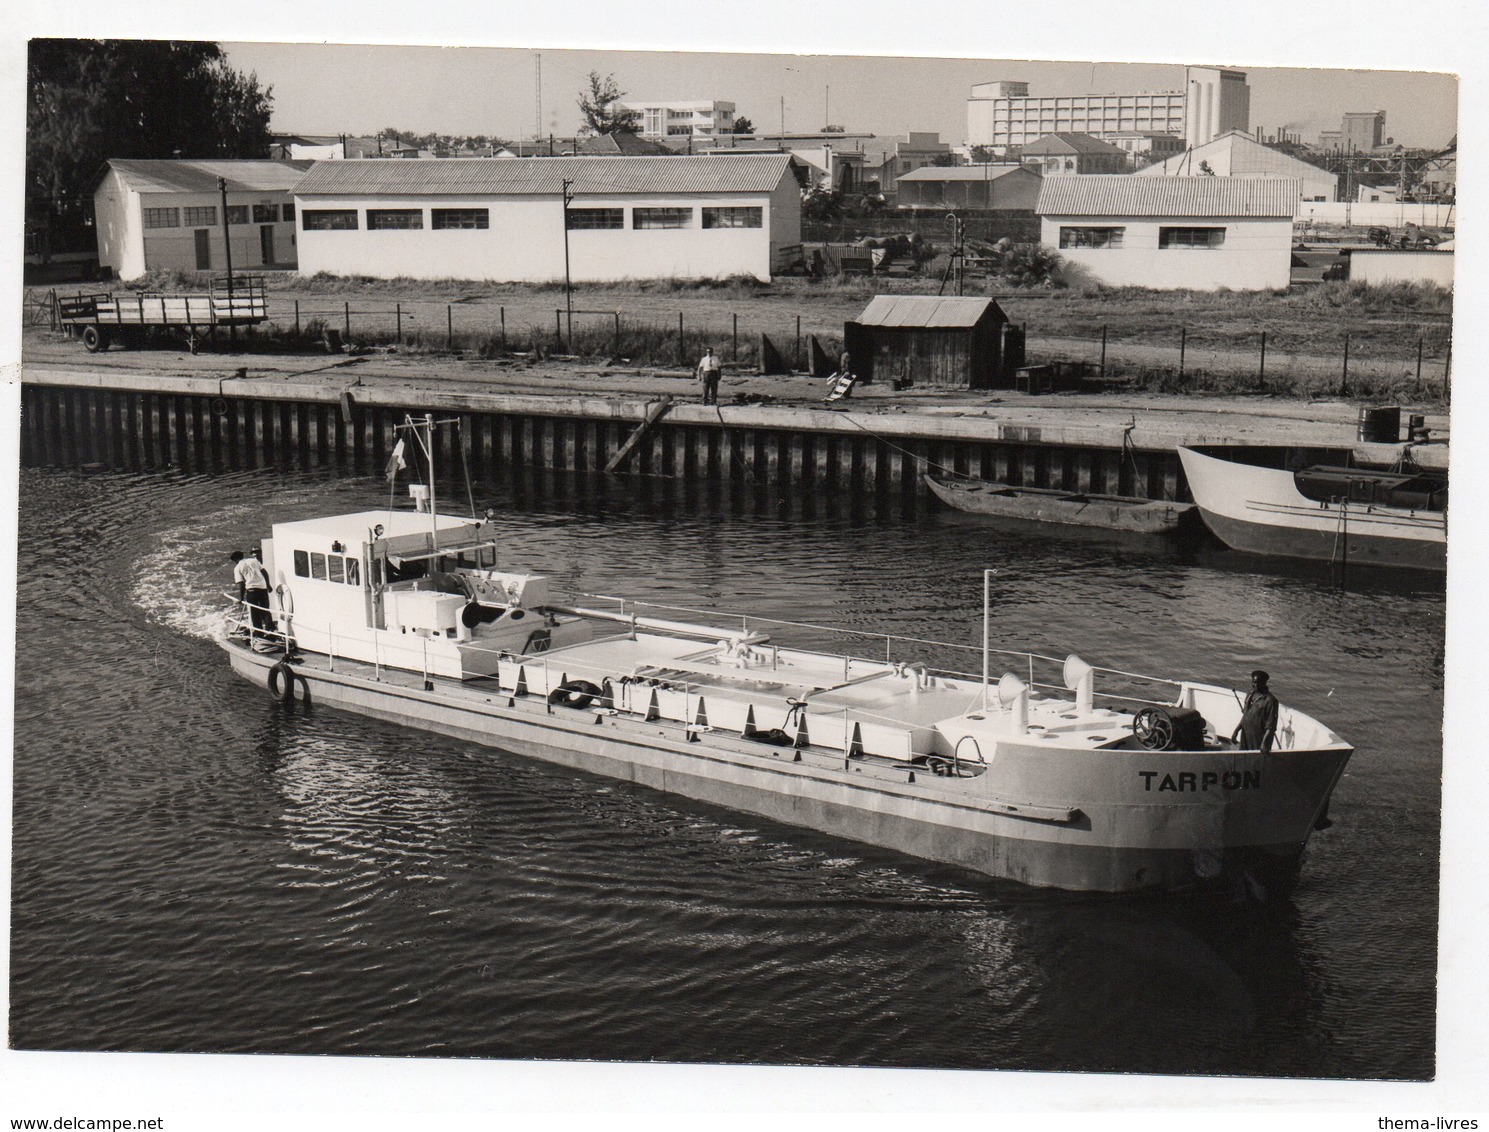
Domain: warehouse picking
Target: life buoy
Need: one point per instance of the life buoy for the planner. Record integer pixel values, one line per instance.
(282, 682)
(575, 694)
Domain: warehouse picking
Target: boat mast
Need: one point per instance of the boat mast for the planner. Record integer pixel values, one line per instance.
(987, 577)
(433, 504)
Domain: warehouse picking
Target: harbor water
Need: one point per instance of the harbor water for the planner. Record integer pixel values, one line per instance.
(199, 868)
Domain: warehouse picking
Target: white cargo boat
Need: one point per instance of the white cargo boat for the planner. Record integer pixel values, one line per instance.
(1036, 774)
(1253, 501)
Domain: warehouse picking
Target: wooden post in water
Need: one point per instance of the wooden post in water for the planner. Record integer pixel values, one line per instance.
(1261, 372)
(796, 363)
(297, 318)
(1344, 376)
(1420, 341)
(398, 323)
(682, 358)
(734, 347)
(449, 327)
(617, 335)
(1103, 351)
(346, 325)
(1183, 341)
(504, 327)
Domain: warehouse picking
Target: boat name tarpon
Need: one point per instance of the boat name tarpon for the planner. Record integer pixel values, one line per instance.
(1206, 780)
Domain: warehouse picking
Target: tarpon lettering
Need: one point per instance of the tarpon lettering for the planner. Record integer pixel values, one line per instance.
(1190, 782)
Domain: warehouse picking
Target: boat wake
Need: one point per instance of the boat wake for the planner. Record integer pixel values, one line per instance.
(182, 583)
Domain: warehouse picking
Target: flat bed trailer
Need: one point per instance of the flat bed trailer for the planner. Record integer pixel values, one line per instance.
(131, 318)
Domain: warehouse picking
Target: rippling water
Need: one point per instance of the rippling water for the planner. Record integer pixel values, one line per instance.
(198, 868)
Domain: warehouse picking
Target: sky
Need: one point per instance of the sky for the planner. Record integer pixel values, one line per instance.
(360, 89)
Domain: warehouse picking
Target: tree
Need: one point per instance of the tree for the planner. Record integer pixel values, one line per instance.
(1205, 170)
(90, 100)
(743, 125)
(833, 130)
(602, 114)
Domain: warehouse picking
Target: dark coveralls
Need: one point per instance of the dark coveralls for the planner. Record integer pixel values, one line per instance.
(1259, 721)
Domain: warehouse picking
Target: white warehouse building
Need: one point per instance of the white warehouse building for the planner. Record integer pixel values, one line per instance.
(697, 217)
(1190, 233)
(154, 215)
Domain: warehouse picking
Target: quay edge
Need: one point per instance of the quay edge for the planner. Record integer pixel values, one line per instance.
(131, 419)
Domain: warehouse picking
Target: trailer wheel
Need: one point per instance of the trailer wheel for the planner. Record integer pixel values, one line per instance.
(94, 339)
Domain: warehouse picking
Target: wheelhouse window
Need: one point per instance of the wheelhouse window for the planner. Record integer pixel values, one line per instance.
(337, 568)
(582, 219)
(162, 218)
(302, 564)
(196, 217)
(1191, 237)
(329, 219)
(317, 565)
(1091, 237)
(661, 218)
(265, 213)
(237, 214)
(388, 219)
(449, 218)
(733, 218)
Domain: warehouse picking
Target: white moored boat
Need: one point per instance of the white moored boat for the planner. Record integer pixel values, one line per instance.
(1055, 774)
(1253, 501)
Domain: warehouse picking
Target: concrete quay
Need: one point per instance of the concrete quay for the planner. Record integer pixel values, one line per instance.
(148, 408)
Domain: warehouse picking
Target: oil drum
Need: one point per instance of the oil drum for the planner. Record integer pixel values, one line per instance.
(1381, 425)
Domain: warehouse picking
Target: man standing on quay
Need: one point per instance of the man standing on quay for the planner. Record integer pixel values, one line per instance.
(710, 369)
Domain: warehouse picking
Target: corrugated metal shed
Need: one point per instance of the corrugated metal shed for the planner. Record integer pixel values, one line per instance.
(1126, 195)
(960, 173)
(171, 176)
(713, 173)
(924, 311)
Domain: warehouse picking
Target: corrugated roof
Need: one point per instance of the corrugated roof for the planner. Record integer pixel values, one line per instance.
(924, 310)
(961, 173)
(1126, 195)
(170, 176)
(713, 173)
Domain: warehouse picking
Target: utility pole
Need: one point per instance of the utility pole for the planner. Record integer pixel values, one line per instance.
(568, 284)
(227, 247)
(538, 82)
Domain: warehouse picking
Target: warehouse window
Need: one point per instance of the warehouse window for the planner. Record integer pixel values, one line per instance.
(289, 213)
(733, 217)
(446, 218)
(162, 218)
(1191, 237)
(199, 216)
(587, 218)
(1091, 237)
(237, 214)
(662, 218)
(329, 219)
(385, 219)
(265, 213)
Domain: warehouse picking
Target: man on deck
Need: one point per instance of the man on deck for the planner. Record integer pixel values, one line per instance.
(1258, 727)
(253, 589)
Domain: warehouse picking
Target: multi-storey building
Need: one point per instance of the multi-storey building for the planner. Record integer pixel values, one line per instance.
(1362, 129)
(1215, 102)
(704, 119)
(1004, 114)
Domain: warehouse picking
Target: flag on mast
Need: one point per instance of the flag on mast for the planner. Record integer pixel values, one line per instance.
(395, 462)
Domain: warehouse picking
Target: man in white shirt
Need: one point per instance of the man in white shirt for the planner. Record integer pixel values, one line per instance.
(253, 588)
(709, 371)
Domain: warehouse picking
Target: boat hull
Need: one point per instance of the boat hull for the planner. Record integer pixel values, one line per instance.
(1076, 509)
(1260, 511)
(1084, 820)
